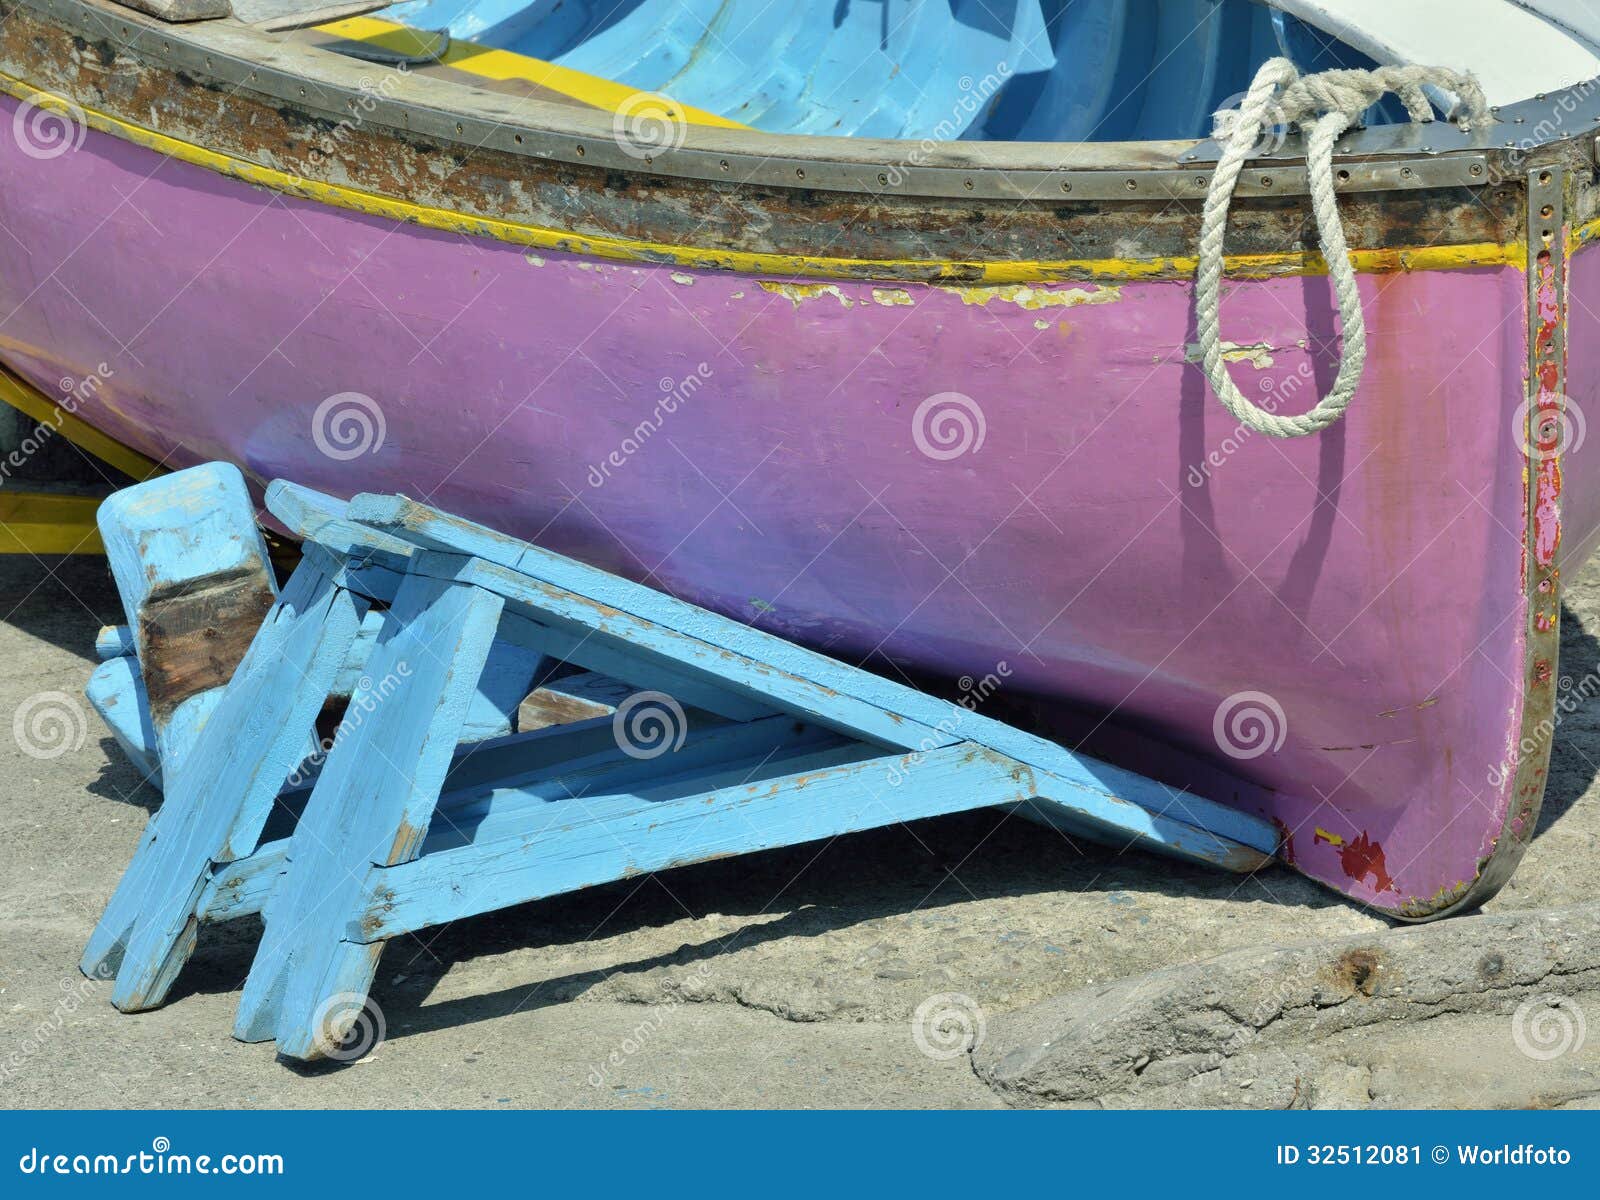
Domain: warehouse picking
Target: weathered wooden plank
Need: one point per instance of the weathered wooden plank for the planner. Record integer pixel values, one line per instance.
(275, 16)
(655, 834)
(571, 779)
(507, 678)
(616, 643)
(193, 574)
(181, 11)
(756, 658)
(114, 641)
(302, 510)
(219, 795)
(372, 804)
(116, 692)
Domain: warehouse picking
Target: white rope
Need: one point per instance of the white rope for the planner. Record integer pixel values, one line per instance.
(1324, 105)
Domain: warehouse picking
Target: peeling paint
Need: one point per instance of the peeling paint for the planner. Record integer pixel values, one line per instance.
(799, 293)
(888, 297)
(683, 280)
(1257, 354)
(534, 259)
(1363, 857)
(1027, 296)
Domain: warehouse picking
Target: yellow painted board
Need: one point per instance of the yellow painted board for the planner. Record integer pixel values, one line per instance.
(490, 63)
(26, 398)
(43, 523)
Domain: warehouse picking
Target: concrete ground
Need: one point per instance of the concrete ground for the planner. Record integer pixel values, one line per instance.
(855, 973)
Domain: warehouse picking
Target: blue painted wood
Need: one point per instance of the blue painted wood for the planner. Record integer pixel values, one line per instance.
(656, 829)
(508, 677)
(302, 510)
(405, 826)
(116, 691)
(181, 535)
(372, 804)
(560, 774)
(564, 592)
(166, 533)
(219, 795)
(114, 641)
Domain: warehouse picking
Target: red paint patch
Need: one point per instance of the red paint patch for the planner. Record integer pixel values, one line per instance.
(1364, 857)
(1285, 841)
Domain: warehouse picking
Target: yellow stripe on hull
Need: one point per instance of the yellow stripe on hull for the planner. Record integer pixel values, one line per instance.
(43, 523)
(490, 63)
(28, 399)
(756, 263)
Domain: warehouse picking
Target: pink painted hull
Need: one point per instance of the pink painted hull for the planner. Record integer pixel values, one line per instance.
(1108, 542)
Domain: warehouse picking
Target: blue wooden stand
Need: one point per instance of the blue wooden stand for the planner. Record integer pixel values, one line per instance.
(727, 740)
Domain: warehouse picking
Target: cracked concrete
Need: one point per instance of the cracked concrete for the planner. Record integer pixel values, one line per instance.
(787, 978)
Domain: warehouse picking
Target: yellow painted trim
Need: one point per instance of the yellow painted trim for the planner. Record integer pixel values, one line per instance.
(491, 63)
(26, 398)
(42, 523)
(1584, 235)
(1419, 258)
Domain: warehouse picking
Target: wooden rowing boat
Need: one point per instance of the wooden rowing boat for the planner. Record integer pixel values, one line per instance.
(853, 362)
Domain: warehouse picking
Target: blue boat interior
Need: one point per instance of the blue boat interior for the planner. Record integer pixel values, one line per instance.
(935, 70)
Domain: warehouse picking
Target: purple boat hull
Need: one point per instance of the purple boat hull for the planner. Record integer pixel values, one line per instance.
(1025, 488)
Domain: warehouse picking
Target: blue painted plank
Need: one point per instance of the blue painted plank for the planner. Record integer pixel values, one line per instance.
(302, 510)
(113, 641)
(165, 533)
(657, 834)
(116, 691)
(563, 776)
(220, 794)
(372, 804)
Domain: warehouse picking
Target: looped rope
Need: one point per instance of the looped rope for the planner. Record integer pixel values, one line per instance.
(1324, 105)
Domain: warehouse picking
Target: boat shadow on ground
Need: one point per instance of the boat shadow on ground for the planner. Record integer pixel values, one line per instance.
(1575, 753)
(815, 890)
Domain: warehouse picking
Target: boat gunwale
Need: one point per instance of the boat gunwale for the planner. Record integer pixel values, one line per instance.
(226, 53)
